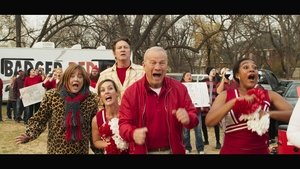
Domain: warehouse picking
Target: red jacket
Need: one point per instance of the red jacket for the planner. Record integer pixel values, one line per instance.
(50, 84)
(133, 106)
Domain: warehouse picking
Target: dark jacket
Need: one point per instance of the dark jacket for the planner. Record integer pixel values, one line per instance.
(19, 84)
(1, 87)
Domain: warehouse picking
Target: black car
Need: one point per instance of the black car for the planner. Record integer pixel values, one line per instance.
(268, 80)
(284, 83)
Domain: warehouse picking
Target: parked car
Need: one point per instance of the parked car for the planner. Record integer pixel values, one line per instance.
(196, 77)
(284, 83)
(268, 80)
(176, 76)
(290, 94)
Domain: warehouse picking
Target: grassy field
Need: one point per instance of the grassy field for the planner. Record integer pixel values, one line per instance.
(9, 130)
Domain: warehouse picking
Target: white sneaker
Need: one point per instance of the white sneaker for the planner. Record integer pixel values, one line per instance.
(201, 152)
(187, 152)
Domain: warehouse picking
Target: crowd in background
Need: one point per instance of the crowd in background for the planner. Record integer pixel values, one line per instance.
(132, 112)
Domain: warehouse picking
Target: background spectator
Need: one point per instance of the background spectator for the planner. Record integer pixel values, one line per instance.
(19, 84)
(212, 93)
(11, 102)
(94, 76)
(187, 77)
(32, 79)
(52, 79)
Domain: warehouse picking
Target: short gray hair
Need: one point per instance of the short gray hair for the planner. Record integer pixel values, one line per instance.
(155, 49)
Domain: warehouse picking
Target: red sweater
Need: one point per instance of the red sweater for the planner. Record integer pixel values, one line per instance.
(50, 84)
(93, 82)
(29, 81)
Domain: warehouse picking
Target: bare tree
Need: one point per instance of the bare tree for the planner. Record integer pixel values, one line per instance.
(18, 30)
(285, 36)
(7, 30)
(192, 41)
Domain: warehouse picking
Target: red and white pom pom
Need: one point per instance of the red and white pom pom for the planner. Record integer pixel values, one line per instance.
(256, 124)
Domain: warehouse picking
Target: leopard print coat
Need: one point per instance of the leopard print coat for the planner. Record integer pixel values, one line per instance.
(51, 113)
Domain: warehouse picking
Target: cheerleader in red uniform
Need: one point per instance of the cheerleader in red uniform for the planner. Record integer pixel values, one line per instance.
(105, 127)
(247, 111)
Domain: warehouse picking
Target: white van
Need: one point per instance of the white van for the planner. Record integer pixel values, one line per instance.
(14, 59)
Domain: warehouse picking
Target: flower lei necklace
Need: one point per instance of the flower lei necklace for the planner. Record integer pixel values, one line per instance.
(109, 132)
(250, 112)
(114, 126)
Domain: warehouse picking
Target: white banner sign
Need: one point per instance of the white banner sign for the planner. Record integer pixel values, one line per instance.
(32, 94)
(199, 93)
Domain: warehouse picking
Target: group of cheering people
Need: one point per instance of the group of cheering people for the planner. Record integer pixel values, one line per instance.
(137, 109)
(32, 77)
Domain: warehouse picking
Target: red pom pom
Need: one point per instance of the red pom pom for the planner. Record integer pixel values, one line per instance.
(244, 107)
(112, 148)
(105, 131)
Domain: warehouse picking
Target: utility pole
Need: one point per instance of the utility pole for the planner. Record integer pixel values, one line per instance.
(18, 30)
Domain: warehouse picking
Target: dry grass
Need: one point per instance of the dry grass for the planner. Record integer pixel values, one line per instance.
(9, 130)
(208, 149)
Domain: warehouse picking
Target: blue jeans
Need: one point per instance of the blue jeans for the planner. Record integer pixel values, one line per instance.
(11, 105)
(20, 108)
(30, 110)
(198, 137)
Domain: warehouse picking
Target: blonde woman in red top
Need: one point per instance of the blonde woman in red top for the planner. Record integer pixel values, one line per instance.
(52, 79)
(105, 127)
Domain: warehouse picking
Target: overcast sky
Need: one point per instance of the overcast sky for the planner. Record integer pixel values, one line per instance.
(35, 20)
